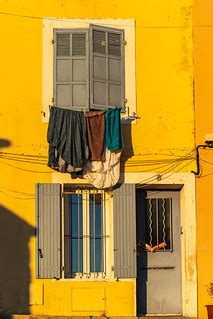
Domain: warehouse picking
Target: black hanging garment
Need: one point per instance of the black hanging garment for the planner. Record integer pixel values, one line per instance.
(67, 138)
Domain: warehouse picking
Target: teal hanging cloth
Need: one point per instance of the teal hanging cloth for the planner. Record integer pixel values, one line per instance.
(114, 137)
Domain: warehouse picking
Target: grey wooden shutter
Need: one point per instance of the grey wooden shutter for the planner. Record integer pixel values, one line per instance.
(124, 212)
(106, 67)
(48, 222)
(71, 69)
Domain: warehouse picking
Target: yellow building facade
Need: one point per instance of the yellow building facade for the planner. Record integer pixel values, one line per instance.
(203, 97)
(158, 157)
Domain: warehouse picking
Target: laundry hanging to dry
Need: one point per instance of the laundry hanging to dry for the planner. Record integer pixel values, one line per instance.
(114, 137)
(95, 121)
(90, 141)
(67, 139)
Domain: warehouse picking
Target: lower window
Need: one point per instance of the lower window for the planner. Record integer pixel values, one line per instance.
(85, 232)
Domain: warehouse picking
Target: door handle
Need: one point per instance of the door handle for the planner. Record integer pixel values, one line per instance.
(159, 267)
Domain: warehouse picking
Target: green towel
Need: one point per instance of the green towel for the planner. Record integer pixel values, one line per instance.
(114, 137)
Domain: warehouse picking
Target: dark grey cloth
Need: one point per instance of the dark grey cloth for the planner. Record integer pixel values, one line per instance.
(67, 138)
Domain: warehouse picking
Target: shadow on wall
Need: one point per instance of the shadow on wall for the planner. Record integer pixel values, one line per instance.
(128, 147)
(142, 275)
(4, 143)
(15, 234)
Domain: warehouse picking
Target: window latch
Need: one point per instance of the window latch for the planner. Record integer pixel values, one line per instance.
(40, 253)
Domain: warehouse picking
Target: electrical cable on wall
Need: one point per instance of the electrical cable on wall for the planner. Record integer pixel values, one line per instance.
(148, 180)
(42, 160)
(153, 179)
(66, 19)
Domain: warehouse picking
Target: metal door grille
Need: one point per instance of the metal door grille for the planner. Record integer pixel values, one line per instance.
(85, 233)
(158, 224)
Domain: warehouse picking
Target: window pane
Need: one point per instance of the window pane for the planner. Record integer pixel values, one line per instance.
(96, 233)
(164, 222)
(76, 232)
(158, 222)
(151, 226)
(76, 215)
(76, 255)
(96, 255)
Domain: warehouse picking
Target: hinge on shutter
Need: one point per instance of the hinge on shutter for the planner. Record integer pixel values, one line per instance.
(124, 42)
(53, 99)
(53, 41)
(62, 268)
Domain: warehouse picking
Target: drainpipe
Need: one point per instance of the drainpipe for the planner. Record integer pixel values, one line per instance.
(209, 144)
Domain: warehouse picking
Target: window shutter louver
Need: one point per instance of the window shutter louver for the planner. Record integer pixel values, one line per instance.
(114, 44)
(124, 212)
(63, 44)
(106, 67)
(71, 69)
(79, 44)
(99, 41)
(48, 222)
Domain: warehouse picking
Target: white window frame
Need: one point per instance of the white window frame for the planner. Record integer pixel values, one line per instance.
(49, 24)
(108, 231)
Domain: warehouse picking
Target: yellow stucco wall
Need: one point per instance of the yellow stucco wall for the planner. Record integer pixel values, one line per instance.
(164, 131)
(97, 298)
(203, 51)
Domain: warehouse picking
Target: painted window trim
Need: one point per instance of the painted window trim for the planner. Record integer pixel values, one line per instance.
(128, 25)
(86, 240)
(109, 273)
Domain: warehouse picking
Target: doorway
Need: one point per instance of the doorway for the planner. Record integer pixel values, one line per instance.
(159, 285)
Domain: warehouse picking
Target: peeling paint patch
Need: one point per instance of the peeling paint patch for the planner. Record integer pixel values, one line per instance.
(191, 267)
(186, 11)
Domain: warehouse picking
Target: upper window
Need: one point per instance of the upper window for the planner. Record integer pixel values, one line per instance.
(89, 68)
(88, 64)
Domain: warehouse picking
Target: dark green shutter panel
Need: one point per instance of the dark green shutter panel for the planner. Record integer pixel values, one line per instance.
(48, 220)
(71, 69)
(124, 212)
(106, 67)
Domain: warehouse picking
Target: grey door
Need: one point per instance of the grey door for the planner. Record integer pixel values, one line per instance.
(158, 253)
